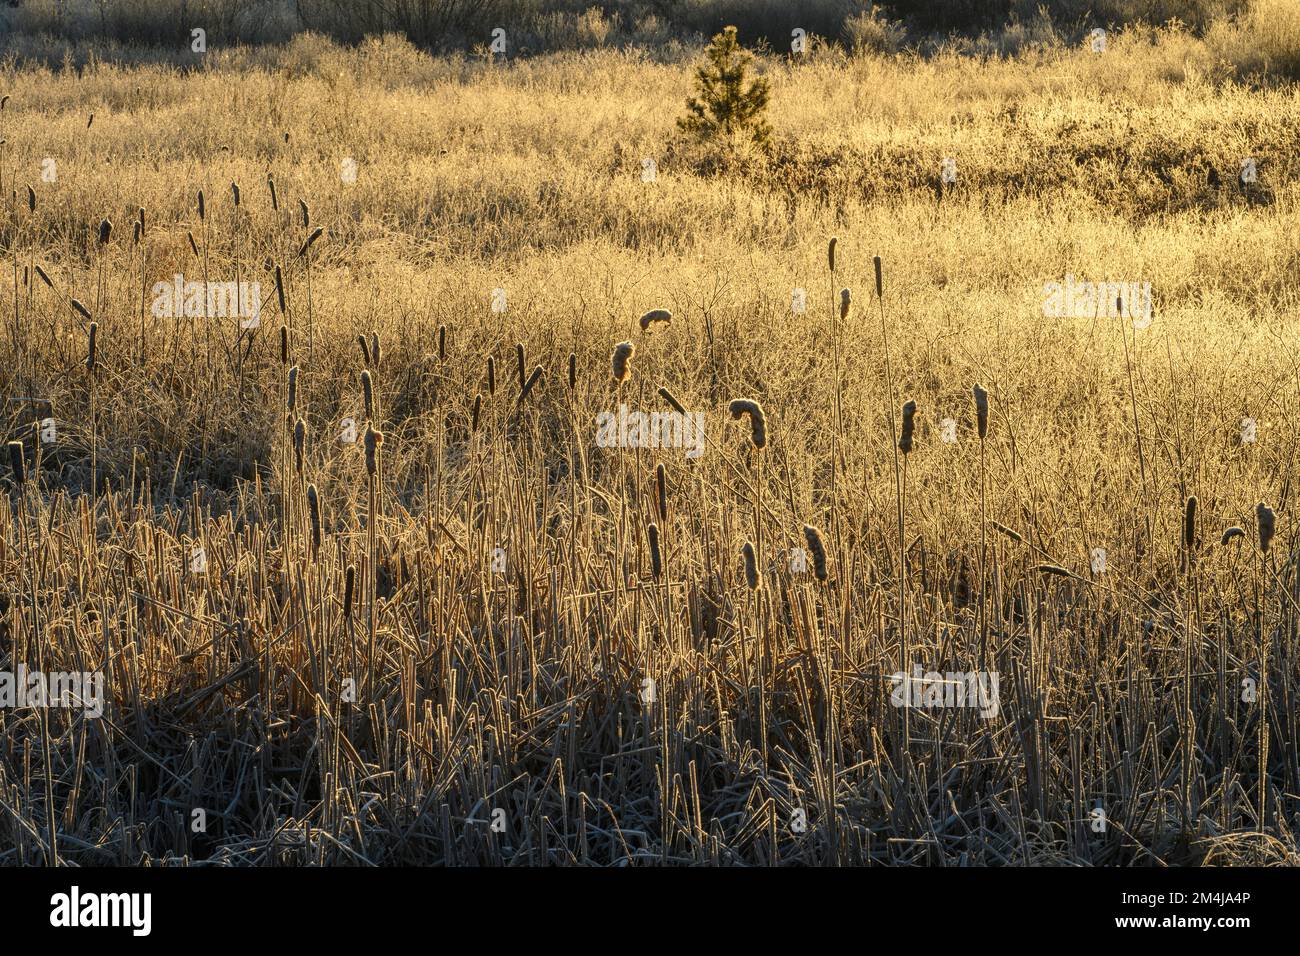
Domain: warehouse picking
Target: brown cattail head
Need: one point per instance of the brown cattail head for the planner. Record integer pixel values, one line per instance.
(305, 210)
(1014, 536)
(105, 231)
(135, 233)
(349, 587)
(528, 385)
(139, 216)
(368, 393)
(1053, 569)
(814, 539)
(311, 240)
(671, 399)
(16, 464)
(194, 246)
(374, 349)
(202, 207)
(80, 309)
(909, 427)
(292, 402)
(374, 440)
(656, 558)
(757, 420)
(492, 375)
(31, 199)
(442, 343)
(365, 351)
(1233, 532)
(43, 277)
(573, 371)
(621, 361)
(653, 316)
(313, 514)
(275, 198)
(846, 304)
(830, 253)
(478, 409)
(981, 410)
(751, 565)
(299, 444)
(661, 491)
(279, 287)
(234, 193)
(1189, 524)
(90, 350)
(880, 286)
(1267, 525)
(284, 345)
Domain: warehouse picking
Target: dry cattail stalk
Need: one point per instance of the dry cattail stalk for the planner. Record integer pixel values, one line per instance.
(1054, 569)
(656, 558)
(830, 253)
(653, 316)
(814, 539)
(573, 371)
(751, 565)
(981, 410)
(374, 440)
(368, 393)
(105, 231)
(846, 304)
(299, 444)
(757, 420)
(1267, 525)
(671, 399)
(313, 515)
(909, 425)
(661, 491)
(1233, 532)
(528, 385)
(16, 464)
(621, 361)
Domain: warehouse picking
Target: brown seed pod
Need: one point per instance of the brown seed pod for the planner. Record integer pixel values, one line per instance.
(830, 253)
(880, 286)
(349, 587)
(757, 419)
(292, 402)
(661, 491)
(492, 376)
(751, 565)
(671, 399)
(814, 539)
(299, 444)
(573, 371)
(105, 231)
(313, 514)
(909, 426)
(656, 558)
(1189, 523)
(533, 379)
(91, 345)
(981, 410)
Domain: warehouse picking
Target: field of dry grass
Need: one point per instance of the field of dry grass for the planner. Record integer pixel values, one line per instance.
(350, 661)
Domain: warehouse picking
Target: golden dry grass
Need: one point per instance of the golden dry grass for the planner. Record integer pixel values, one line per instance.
(525, 689)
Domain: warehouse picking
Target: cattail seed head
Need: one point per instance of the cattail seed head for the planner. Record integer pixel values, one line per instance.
(757, 419)
(621, 361)
(279, 287)
(234, 193)
(830, 253)
(105, 231)
(40, 273)
(299, 444)
(305, 211)
(368, 393)
(478, 408)
(909, 425)
(313, 514)
(194, 246)
(661, 491)
(275, 198)
(365, 351)
(880, 286)
(311, 240)
(818, 550)
(292, 402)
(1267, 525)
(442, 343)
(529, 385)
(751, 565)
(349, 587)
(374, 349)
(1053, 569)
(1189, 523)
(90, 350)
(671, 399)
(1013, 535)
(81, 309)
(284, 345)
(981, 410)
(656, 558)
(846, 304)
(16, 464)
(135, 233)
(374, 440)
(1233, 532)
(202, 208)
(653, 316)
(31, 199)
(573, 371)
(492, 375)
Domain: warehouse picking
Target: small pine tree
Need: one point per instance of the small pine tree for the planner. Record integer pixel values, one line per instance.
(726, 104)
